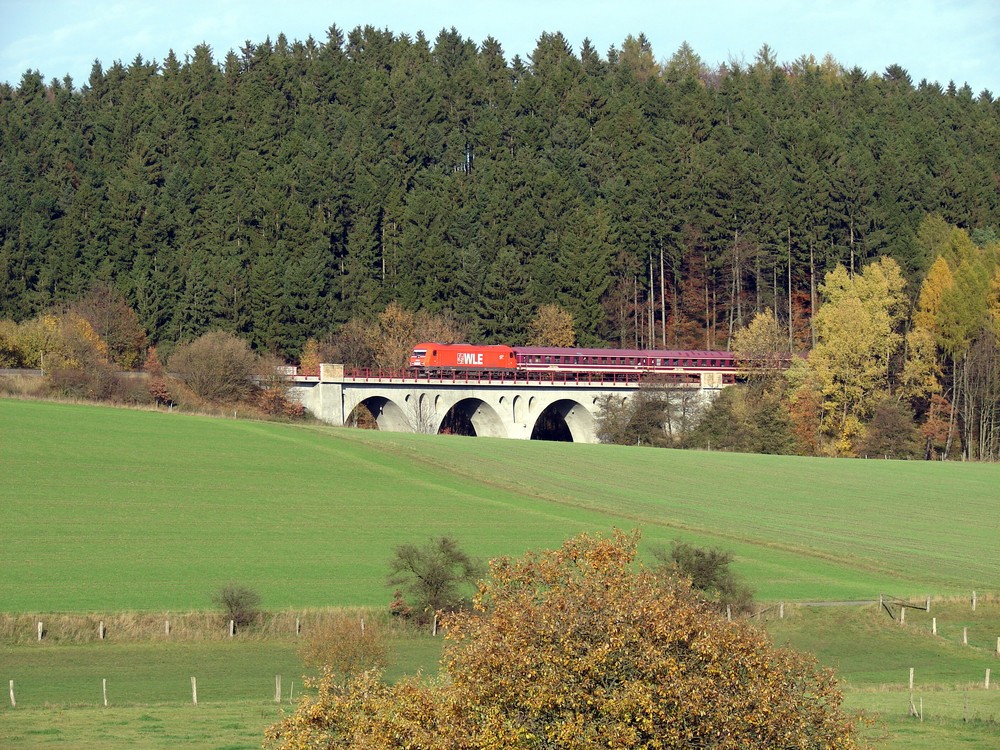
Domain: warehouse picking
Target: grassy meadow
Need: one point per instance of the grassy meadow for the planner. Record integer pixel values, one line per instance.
(135, 516)
(110, 510)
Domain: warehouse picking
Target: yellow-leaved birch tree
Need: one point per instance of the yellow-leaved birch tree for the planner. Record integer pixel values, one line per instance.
(858, 331)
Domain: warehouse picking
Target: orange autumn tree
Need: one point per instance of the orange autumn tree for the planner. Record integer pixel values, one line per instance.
(579, 649)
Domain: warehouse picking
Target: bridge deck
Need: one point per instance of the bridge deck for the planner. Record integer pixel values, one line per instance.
(561, 378)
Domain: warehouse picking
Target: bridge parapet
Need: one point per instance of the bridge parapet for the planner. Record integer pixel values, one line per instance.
(341, 374)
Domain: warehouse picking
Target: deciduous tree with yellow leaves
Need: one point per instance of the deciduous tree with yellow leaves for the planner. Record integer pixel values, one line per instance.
(859, 333)
(553, 326)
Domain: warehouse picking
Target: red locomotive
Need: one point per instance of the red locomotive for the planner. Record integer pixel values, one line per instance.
(433, 356)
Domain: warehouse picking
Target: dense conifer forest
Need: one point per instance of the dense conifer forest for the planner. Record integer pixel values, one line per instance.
(292, 185)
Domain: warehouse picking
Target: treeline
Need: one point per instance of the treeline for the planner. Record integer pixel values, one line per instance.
(289, 187)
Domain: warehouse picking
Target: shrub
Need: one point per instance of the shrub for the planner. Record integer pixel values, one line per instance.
(274, 401)
(10, 351)
(892, 433)
(434, 575)
(344, 646)
(238, 603)
(109, 314)
(218, 367)
(709, 573)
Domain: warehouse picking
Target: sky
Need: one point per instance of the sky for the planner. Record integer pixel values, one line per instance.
(940, 40)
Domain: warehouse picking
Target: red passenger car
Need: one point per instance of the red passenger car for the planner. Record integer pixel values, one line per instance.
(543, 359)
(431, 356)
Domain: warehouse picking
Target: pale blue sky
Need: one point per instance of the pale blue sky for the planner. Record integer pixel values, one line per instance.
(940, 40)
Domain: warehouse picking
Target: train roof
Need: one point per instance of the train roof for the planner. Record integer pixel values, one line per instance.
(427, 344)
(657, 353)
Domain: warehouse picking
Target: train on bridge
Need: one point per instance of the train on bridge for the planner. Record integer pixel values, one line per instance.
(440, 358)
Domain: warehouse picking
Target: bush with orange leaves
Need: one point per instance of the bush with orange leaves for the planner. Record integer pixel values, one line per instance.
(577, 649)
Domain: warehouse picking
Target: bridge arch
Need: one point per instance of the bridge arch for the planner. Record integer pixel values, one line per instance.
(481, 416)
(387, 413)
(573, 422)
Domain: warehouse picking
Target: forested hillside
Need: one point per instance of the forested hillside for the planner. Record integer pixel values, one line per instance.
(290, 186)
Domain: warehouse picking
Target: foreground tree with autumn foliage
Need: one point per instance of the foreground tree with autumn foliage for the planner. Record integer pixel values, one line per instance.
(578, 648)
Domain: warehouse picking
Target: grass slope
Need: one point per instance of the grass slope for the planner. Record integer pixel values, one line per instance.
(107, 510)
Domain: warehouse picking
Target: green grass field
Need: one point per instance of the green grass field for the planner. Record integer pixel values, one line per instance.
(111, 511)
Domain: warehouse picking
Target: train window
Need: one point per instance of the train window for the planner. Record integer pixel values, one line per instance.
(419, 352)
(548, 360)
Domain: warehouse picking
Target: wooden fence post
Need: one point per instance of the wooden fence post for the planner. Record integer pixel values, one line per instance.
(781, 611)
(166, 627)
(928, 604)
(100, 630)
(104, 691)
(277, 688)
(232, 628)
(298, 626)
(41, 629)
(965, 636)
(973, 601)
(902, 615)
(13, 703)
(987, 683)
(911, 678)
(194, 690)
(434, 631)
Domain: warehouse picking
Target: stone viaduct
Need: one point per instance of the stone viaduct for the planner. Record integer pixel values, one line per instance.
(507, 407)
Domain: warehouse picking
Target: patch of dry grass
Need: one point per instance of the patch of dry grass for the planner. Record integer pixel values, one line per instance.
(120, 627)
